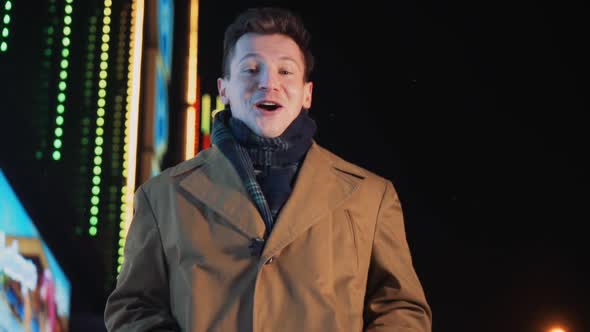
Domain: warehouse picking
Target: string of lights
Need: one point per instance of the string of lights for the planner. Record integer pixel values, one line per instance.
(100, 119)
(5, 26)
(62, 81)
(45, 104)
(131, 123)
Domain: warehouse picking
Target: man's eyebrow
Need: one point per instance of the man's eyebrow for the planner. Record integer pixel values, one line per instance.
(249, 55)
(288, 58)
(256, 55)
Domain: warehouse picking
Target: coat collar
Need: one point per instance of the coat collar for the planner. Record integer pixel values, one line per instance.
(324, 183)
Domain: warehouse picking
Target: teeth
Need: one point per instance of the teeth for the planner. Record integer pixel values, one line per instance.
(268, 104)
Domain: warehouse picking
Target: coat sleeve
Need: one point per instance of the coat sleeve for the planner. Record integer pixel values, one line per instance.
(394, 300)
(141, 299)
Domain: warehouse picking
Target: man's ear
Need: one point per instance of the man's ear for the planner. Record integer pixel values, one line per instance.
(307, 92)
(222, 89)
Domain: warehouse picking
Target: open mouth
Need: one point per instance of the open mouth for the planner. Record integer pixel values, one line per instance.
(268, 106)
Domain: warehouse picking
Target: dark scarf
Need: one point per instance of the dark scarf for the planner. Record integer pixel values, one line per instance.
(266, 165)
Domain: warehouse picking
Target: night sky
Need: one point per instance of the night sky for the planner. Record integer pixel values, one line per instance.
(475, 111)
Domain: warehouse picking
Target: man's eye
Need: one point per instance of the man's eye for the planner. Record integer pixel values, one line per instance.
(250, 70)
(285, 72)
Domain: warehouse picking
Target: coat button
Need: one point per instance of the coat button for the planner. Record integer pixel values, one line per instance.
(270, 260)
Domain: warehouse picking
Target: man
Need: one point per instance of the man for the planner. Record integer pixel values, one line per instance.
(267, 231)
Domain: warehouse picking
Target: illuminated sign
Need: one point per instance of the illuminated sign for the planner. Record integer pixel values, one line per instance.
(165, 33)
(33, 288)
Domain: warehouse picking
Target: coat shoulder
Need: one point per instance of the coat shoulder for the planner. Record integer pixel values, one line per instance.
(370, 179)
(167, 176)
(348, 167)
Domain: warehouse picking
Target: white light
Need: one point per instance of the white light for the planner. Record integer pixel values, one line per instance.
(135, 55)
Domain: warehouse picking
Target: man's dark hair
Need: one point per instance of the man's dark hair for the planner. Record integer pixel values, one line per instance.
(267, 21)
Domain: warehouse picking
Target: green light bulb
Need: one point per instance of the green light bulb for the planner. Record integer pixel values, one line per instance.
(93, 221)
(8, 5)
(5, 32)
(56, 155)
(3, 46)
(92, 231)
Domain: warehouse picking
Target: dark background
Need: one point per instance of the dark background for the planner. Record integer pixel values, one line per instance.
(475, 111)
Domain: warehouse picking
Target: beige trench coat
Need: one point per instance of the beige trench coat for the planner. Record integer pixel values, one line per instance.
(336, 260)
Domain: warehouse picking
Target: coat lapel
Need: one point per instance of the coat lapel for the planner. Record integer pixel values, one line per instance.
(321, 187)
(215, 184)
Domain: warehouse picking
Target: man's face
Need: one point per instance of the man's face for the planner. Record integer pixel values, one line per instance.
(266, 89)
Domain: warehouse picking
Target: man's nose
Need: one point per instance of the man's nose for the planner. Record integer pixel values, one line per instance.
(268, 80)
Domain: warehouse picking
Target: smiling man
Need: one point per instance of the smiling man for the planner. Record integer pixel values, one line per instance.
(269, 86)
(266, 230)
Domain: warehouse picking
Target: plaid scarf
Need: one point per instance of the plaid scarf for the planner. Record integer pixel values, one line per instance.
(246, 150)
